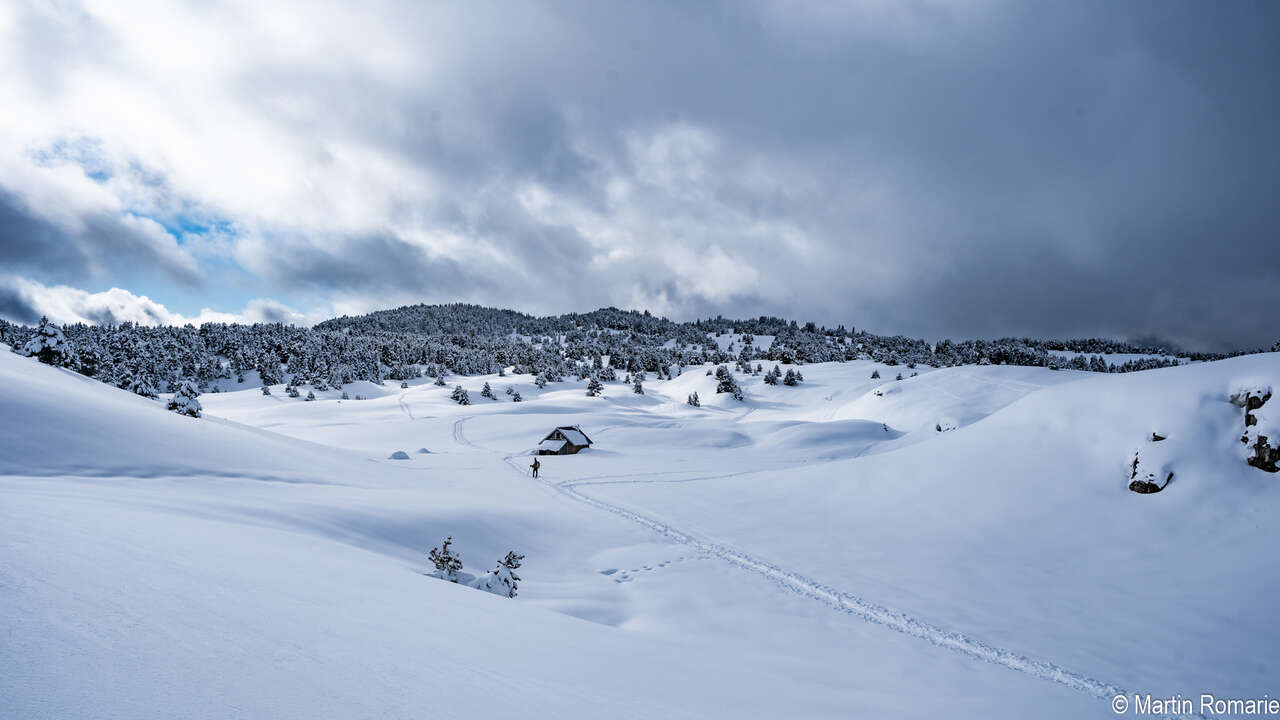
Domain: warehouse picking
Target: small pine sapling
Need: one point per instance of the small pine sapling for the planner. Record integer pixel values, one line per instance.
(448, 563)
(502, 580)
(460, 396)
(184, 401)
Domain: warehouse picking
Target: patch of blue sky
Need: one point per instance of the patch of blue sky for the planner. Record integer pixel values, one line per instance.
(184, 225)
(86, 152)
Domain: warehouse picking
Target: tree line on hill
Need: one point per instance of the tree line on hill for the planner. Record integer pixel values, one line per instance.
(438, 340)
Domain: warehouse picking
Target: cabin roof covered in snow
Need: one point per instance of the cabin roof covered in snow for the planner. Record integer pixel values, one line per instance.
(553, 445)
(574, 434)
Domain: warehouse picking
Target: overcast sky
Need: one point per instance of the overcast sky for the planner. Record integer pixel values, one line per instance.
(937, 169)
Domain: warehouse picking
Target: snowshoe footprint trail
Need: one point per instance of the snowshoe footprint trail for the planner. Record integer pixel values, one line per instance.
(831, 597)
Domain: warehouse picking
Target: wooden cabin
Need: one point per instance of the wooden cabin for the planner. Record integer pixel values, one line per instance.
(564, 440)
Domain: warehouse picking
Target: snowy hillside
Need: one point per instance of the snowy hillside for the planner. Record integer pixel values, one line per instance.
(958, 543)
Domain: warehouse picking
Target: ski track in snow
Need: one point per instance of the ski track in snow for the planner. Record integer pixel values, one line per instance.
(835, 599)
(404, 406)
(458, 437)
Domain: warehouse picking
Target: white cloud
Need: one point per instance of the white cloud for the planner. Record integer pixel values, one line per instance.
(63, 304)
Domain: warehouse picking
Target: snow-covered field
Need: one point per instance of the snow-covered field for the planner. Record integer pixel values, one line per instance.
(813, 551)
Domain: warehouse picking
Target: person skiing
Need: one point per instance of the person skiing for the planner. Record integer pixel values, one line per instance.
(535, 466)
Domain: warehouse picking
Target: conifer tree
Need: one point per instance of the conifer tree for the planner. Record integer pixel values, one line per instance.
(460, 396)
(448, 563)
(50, 346)
(184, 401)
(727, 383)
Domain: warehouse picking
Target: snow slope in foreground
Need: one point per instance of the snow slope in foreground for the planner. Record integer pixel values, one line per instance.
(712, 562)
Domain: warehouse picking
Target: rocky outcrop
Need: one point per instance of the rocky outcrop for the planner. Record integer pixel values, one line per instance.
(1146, 487)
(1263, 455)
(1142, 480)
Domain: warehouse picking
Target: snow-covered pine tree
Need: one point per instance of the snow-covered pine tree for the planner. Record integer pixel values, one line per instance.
(693, 399)
(727, 383)
(50, 346)
(439, 380)
(516, 397)
(899, 377)
(460, 396)
(140, 385)
(310, 396)
(540, 381)
(790, 378)
(266, 389)
(184, 401)
(637, 387)
(487, 392)
(502, 580)
(875, 374)
(594, 388)
(510, 390)
(269, 371)
(770, 378)
(448, 563)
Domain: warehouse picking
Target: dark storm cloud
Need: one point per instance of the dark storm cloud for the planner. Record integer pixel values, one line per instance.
(93, 243)
(15, 306)
(367, 263)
